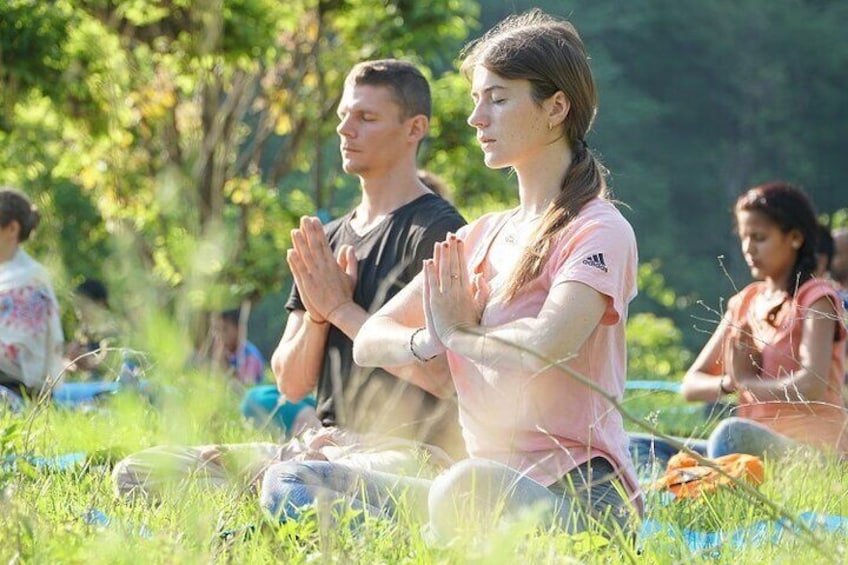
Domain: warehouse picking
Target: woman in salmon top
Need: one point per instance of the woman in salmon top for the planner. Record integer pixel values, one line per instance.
(781, 343)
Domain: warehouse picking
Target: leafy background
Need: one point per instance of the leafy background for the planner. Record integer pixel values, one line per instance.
(172, 144)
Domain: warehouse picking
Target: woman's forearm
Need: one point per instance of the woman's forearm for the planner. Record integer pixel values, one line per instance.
(704, 387)
(526, 344)
(801, 385)
(383, 342)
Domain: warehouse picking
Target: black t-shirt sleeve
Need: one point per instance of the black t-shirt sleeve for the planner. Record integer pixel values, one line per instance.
(294, 302)
(446, 220)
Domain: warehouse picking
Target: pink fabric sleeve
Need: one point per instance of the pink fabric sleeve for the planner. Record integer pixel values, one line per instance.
(809, 293)
(601, 254)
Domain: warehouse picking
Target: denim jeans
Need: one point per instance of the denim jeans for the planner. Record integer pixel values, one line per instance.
(650, 454)
(739, 435)
(477, 494)
(290, 487)
(474, 493)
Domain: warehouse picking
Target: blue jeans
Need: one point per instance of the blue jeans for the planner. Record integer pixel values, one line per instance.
(650, 454)
(290, 487)
(474, 493)
(739, 435)
(477, 494)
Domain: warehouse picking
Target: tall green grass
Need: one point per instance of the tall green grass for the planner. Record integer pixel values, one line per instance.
(42, 514)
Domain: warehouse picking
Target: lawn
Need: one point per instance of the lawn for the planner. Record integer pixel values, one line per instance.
(73, 516)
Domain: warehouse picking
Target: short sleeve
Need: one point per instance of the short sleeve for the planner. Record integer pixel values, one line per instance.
(816, 289)
(601, 253)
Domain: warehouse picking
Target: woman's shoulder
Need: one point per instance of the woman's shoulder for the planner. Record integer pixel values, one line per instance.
(746, 295)
(814, 289)
(602, 212)
(23, 270)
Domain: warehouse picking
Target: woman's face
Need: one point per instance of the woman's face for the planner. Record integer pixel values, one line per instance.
(511, 127)
(769, 251)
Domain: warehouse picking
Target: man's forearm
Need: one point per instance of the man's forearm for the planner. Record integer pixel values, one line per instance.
(298, 360)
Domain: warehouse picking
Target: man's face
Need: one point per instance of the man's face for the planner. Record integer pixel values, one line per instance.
(373, 135)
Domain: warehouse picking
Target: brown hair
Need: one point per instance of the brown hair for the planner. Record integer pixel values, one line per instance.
(15, 206)
(549, 54)
(408, 85)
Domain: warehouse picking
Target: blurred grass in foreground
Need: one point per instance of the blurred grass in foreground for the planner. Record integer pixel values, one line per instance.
(42, 513)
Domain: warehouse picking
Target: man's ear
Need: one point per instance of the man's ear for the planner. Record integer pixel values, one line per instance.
(418, 127)
(559, 106)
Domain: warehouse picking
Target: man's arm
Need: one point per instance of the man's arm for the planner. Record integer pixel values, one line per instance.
(297, 361)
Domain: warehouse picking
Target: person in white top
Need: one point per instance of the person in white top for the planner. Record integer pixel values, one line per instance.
(31, 338)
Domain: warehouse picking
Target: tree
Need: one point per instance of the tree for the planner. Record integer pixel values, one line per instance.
(200, 129)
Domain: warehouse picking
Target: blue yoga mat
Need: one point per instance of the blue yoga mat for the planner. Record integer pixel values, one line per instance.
(665, 386)
(74, 394)
(95, 517)
(765, 531)
(64, 462)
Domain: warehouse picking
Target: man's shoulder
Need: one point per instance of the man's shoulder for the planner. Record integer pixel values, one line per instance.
(430, 209)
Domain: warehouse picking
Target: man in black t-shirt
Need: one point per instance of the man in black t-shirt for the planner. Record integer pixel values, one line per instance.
(346, 270)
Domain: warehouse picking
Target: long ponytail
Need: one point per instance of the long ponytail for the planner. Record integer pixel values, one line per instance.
(583, 181)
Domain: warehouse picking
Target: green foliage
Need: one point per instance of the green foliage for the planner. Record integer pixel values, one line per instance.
(31, 38)
(654, 348)
(837, 220)
(194, 131)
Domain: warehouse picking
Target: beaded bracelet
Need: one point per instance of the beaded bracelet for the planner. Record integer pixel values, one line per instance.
(412, 349)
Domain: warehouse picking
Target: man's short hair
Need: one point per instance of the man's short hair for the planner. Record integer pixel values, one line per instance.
(408, 85)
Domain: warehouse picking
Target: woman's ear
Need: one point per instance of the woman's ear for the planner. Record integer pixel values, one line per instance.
(797, 239)
(559, 108)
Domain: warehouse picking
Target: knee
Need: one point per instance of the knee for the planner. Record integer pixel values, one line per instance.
(724, 439)
(285, 490)
(127, 478)
(453, 496)
(457, 481)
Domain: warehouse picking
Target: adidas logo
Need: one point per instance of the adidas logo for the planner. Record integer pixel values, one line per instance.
(597, 261)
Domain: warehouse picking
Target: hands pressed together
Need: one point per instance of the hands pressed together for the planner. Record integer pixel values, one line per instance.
(742, 358)
(451, 301)
(325, 281)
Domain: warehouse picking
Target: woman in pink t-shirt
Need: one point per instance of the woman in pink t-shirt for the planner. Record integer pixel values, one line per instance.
(526, 308)
(781, 343)
(522, 311)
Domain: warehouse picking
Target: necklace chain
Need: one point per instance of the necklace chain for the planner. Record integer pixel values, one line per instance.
(513, 227)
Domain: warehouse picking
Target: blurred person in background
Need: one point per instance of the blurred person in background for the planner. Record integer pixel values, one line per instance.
(781, 344)
(31, 338)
